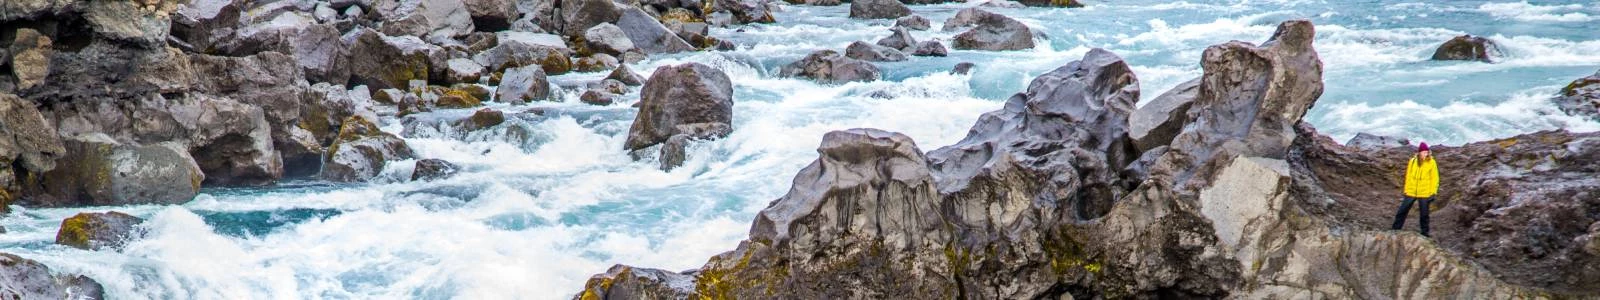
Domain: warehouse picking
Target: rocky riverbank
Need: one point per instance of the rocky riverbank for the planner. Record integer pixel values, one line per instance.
(1222, 193)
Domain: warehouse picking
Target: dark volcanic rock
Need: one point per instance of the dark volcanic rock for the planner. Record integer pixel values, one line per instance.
(95, 231)
(869, 52)
(878, 9)
(685, 99)
(1156, 123)
(1467, 47)
(433, 169)
(993, 32)
(1581, 97)
(829, 67)
(23, 278)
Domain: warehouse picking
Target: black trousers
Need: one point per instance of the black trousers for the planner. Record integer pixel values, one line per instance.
(1405, 207)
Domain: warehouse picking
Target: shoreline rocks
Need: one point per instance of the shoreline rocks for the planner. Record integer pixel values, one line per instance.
(28, 279)
(830, 67)
(1581, 97)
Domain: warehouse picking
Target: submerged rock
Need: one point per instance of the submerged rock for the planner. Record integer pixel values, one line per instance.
(878, 9)
(829, 67)
(22, 278)
(962, 68)
(1467, 47)
(689, 99)
(96, 231)
(433, 169)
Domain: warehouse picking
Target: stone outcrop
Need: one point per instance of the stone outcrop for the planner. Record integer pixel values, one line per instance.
(96, 231)
(1581, 97)
(28, 143)
(1467, 47)
(361, 151)
(22, 278)
(1051, 192)
(689, 99)
(990, 31)
(878, 9)
(830, 67)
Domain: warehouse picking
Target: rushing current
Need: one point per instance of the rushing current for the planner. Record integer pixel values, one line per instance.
(541, 207)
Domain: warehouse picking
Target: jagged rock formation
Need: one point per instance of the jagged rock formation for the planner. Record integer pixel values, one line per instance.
(1581, 97)
(1052, 192)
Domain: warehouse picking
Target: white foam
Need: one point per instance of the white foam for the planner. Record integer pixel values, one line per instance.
(1523, 11)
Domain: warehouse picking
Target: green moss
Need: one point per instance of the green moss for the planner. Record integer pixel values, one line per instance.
(1066, 3)
(454, 98)
(75, 231)
(415, 68)
(556, 64)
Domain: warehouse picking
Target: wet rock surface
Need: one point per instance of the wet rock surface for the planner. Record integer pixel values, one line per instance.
(1467, 47)
(687, 99)
(830, 67)
(990, 31)
(1243, 200)
(361, 151)
(96, 231)
(22, 278)
(1581, 97)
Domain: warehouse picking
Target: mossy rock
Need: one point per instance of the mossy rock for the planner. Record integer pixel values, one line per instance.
(484, 118)
(95, 231)
(458, 99)
(681, 15)
(476, 91)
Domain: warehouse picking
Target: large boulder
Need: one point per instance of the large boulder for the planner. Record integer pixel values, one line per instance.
(428, 19)
(1467, 47)
(1156, 123)
(523, 84)
(22, 278)
(517, 49)
(96, 231)
(829, 67)
(745, 11)
(930, 48)
(992, 32)
(361, 151)
(625, 75)
(688, 99)
(382, 62)
(1581, 97)
(99, 171)
(869, 52)
(878, 9)
(648, 34)
(233, 142)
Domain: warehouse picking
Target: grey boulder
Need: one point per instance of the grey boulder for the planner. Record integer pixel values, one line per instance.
(869, 52)
(829, 67)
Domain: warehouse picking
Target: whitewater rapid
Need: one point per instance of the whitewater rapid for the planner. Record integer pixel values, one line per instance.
(549, 199)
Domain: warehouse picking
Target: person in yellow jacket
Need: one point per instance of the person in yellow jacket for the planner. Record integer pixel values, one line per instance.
(1422, 181)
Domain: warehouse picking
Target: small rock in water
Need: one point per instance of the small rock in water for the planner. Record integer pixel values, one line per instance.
(869, 52)
(433, 169)
(1581, 97)
(1467, 47)
(597, 97)
(963, 68)
(829, 67)
(930, 48)
(626, 76)
(899, 39)
(96, 231)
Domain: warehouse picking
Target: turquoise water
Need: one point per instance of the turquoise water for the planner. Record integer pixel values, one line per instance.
(546, 201)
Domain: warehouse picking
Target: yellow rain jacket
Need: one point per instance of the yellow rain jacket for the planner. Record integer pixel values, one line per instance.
(1422, 178)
